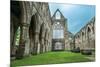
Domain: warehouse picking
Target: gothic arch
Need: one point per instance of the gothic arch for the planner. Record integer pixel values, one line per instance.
(78, 36)
(58, 15)
(25, 19)
(93, 29)
(32, 29)
(46, 39)
(59, 30)
(83, 33)
(92, 26)
(88, 29)
(19, 11)
(15, 22)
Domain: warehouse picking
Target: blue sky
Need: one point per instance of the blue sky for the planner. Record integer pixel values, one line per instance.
(77, 15)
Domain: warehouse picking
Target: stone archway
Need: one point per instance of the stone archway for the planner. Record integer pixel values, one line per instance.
(23, 49)
(32, 30)
(15, 23)
(88, 36)
(83, 39)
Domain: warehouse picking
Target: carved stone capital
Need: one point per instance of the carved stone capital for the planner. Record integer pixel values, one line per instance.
(25, 24)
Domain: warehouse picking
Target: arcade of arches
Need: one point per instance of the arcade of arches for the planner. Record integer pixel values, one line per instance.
(34, 31)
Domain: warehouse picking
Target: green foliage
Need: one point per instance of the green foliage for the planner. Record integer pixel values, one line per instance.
(18, 36)
(51, 58)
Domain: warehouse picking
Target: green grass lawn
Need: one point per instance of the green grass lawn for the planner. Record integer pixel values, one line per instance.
(50, 58)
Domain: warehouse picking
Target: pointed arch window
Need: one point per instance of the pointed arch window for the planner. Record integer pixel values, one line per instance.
(58, 31)
(18, 36)
(58, 16)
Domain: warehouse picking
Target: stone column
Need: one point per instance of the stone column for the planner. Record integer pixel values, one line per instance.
(84, 37)
(42, 44)
(46, 42)
(14, 23)
(47, 46)
(36, 43)
(44, 47)
(24, 45)
(83, 34)
(80, 41)
(31, 45)
(26, 38)
(13, 45)
(31, 41)
(87, 38)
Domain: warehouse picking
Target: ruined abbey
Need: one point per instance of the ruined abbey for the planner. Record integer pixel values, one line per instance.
(38, 27)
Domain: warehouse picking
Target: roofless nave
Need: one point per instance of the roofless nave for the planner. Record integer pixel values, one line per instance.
(38, 30)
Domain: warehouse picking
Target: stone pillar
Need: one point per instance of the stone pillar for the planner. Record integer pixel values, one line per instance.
(44, 47)
(47, 46)
(87, 38)
(92, 39)
(24, 45)
(14, 23)
(50, 46)
(80, 41)
(45, 42)
(85, 46)
(41, 45)
(36, 43)
(13, 45)
(31, 41)
(26, 38)
(31, 46)
(83, 34)
(38, 48)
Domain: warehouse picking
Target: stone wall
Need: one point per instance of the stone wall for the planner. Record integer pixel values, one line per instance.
(34, 20)
(85, 38)
(36, 30)
(60, 24)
